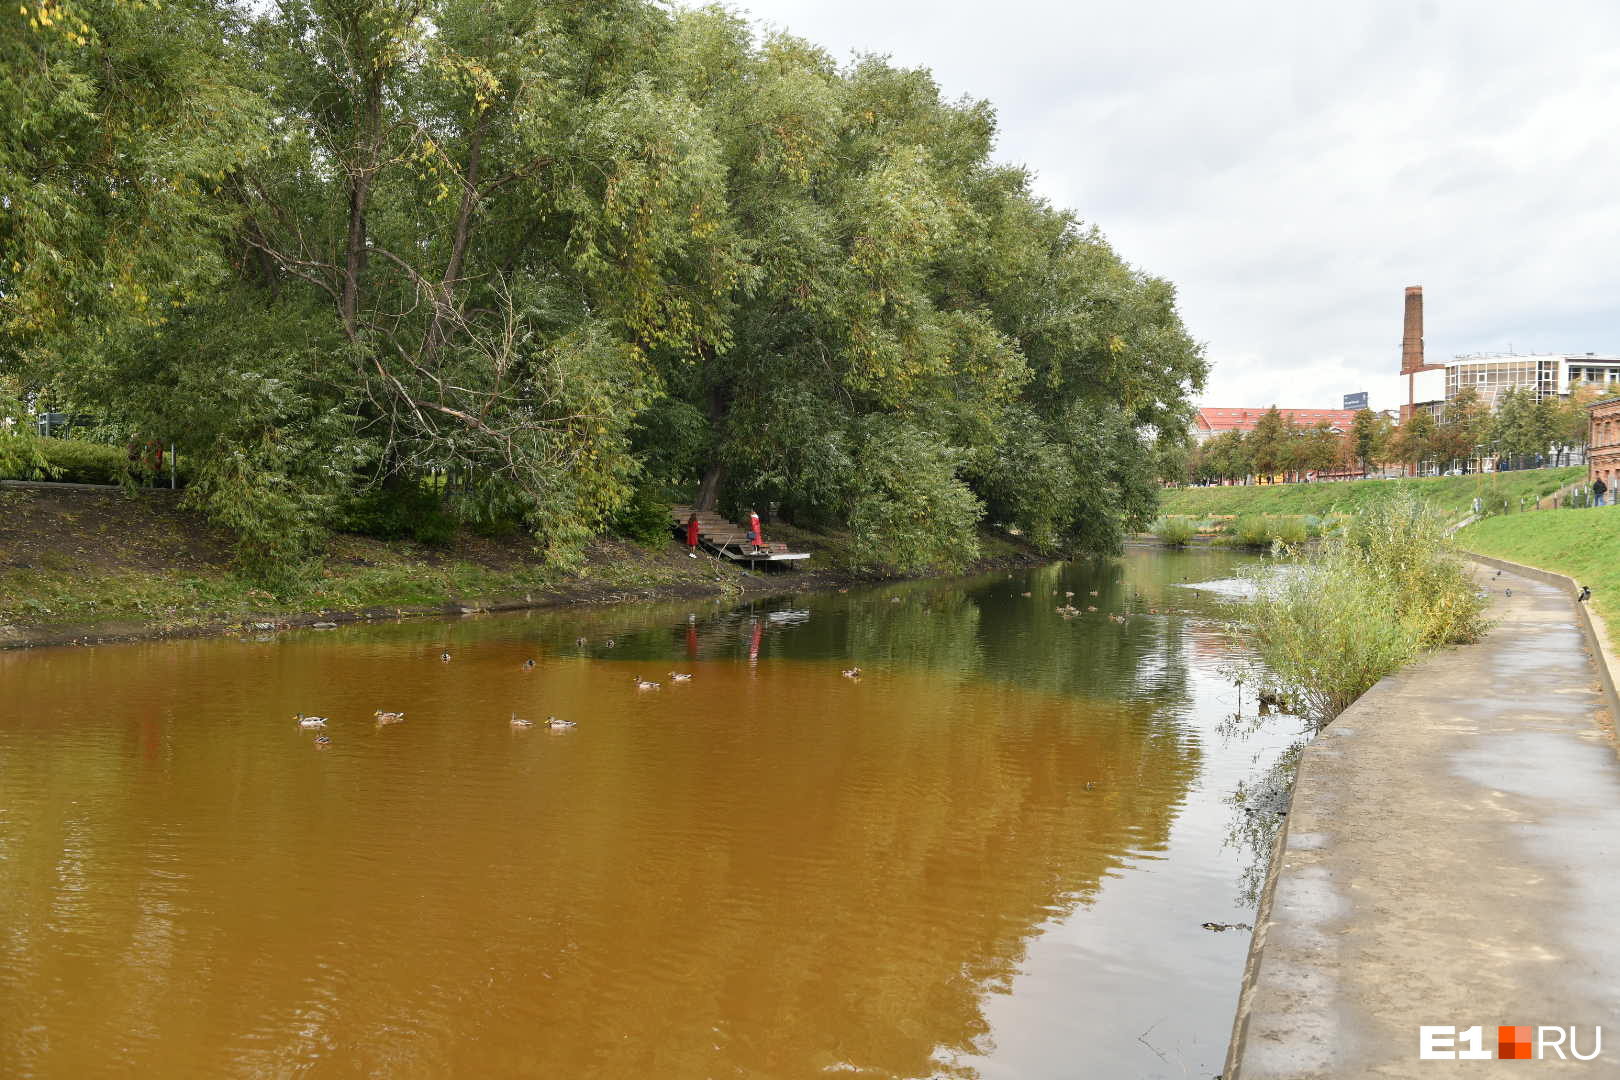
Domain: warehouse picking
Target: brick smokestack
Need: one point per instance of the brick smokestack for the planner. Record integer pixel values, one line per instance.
(1412, 338)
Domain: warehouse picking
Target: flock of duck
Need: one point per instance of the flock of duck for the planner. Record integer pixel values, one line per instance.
(1069, 611)
(384, 718)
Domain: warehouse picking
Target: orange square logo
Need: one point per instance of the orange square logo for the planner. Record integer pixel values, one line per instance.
(1513, 1042)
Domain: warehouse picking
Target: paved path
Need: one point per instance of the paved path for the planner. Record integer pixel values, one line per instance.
(1452, 856)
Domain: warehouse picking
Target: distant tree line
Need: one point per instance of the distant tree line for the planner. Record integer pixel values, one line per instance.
(1522, 428)
(555, 263)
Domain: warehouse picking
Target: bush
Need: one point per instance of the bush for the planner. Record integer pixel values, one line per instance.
(1174, 531)
(1291, 530)
(75, 461)
(20, 455)
(644, 518)
(86, 463)
(1364, 604)
(70, 461)
(1252, 531)
(397, 513)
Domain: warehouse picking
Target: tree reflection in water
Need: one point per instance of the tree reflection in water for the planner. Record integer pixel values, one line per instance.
(770, 870)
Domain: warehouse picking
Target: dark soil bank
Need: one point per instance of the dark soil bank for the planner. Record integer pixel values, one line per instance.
(80, 565)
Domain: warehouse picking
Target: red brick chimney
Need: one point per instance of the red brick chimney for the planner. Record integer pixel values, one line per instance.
(1412, 338)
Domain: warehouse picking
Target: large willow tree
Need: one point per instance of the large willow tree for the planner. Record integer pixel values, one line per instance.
(547, 253)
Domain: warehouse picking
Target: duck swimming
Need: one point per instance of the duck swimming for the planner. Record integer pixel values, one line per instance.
(528, 665)
(679, 676)
(559, 725)
(643, 684)
(311, 721)
(518, 721)
(445, 657)
(852, 673)
(323, 741)
(388, 717)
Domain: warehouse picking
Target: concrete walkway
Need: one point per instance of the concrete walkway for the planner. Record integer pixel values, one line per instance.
(1451, 857)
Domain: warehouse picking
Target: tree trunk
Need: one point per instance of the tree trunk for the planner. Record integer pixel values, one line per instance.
(709, 490)
(458, 241)
(360, 177)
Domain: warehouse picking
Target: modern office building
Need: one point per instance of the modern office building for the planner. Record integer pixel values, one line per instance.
(1548, 374)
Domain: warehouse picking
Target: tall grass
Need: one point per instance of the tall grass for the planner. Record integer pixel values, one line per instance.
(1173, 531)
(1327, 624)
(1253, 531)
(1258, 531)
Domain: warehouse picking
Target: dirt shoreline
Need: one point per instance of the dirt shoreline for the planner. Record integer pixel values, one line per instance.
(70, 552)
(584, 593)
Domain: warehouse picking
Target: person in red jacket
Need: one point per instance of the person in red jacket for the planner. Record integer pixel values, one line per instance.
(692, 536)
(753, 527)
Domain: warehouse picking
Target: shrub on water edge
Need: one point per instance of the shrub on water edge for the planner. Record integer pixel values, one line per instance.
(1329, 623)
(1174, 531)
(1290, 530)
(1252, 531)
(1402, 545)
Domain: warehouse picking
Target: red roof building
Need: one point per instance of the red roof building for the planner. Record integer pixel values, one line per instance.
(1212, 422)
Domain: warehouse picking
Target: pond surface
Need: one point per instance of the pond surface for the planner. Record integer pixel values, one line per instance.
(990, 856)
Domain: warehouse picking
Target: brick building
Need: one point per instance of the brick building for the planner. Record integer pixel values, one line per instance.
(1212, 422)
(1603, 445)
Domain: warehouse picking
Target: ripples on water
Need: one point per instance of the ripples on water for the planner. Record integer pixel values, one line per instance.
(990, 856)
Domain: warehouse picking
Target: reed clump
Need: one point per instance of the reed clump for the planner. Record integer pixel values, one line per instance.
(1329, 622)
(1173, 531)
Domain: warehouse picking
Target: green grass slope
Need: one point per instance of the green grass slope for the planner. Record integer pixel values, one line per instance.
(1585, 544)
(1453, 494)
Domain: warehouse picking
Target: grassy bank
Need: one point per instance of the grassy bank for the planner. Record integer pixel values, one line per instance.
(107, 564)
(84, 558)
(1452, 495)
(1585, 544)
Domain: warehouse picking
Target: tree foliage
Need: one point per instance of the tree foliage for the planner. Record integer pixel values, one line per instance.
(538, 256)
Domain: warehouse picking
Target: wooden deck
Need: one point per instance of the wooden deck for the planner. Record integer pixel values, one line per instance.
(729, 540)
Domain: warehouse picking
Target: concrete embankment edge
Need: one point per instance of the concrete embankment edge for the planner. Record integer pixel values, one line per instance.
(1591, 626)
(1397, 780)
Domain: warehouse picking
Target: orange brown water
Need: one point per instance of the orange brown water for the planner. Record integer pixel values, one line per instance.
(768, 871)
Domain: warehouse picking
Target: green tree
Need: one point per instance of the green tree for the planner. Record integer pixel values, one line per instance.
(1230, 455)
(534, 256)
(1572, 417)
(1522, 426)
(1270, 443)
(1316, 449)
(1363, 438)
(1413, 442)
(1463, 430)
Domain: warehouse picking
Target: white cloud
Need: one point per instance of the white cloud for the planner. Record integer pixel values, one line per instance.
(1292, 167)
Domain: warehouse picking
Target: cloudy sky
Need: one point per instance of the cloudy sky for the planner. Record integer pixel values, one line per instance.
(1292, 167)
